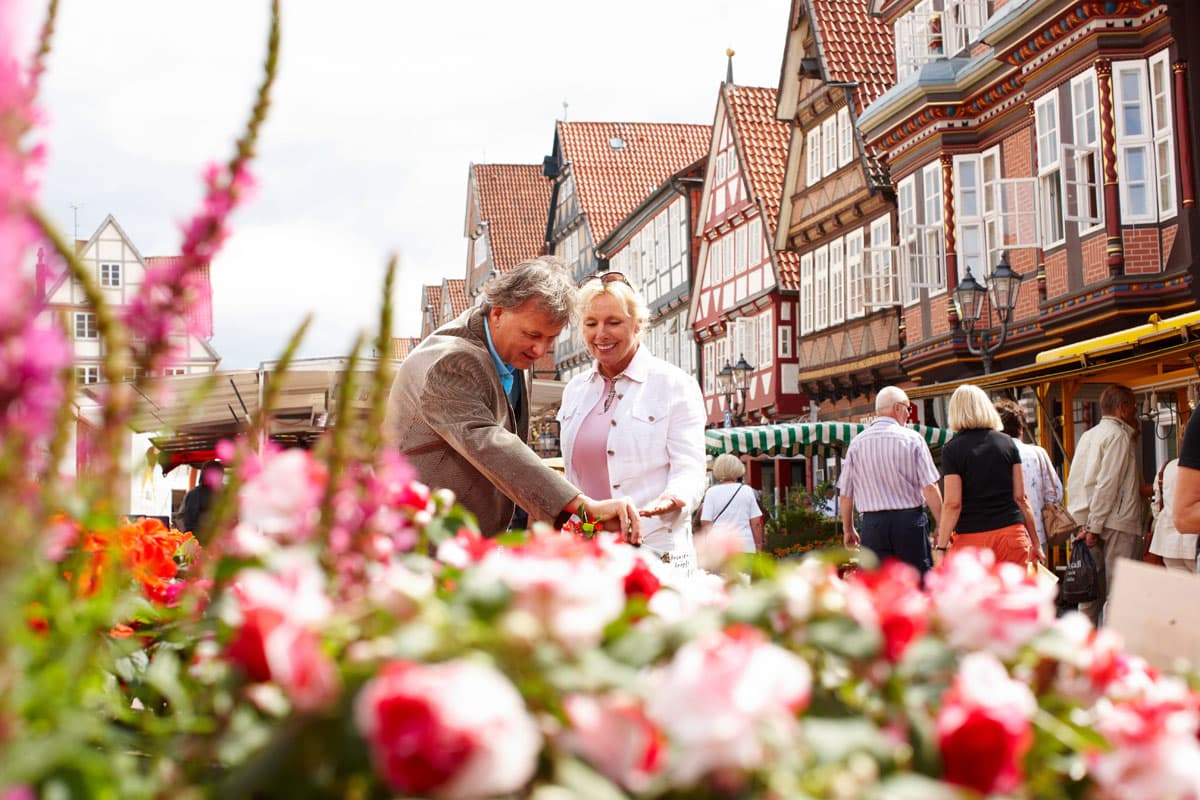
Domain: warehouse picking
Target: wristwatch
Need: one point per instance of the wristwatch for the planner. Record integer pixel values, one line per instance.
(943, 549)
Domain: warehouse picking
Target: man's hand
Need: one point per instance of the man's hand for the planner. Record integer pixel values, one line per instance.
(1088, 537)
(623, 511)
(851, 539)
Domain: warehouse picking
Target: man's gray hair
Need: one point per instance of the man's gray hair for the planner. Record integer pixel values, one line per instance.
(888, 397)
(544, 279)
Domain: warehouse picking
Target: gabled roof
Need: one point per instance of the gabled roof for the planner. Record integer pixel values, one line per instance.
(513, 200)
(433, 298)
(456, 290)
(854, 47)
(762, 143)
(403, 345)
(200, 315)
(617, 164)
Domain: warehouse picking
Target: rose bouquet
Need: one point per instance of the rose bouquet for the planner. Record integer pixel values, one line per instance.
(348, 633)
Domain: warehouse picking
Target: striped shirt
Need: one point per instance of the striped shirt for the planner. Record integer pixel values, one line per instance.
(886, 468)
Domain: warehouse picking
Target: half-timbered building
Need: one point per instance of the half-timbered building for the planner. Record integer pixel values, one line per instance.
(655, 248)
(601, 171)
(743, 307)
(838, 211)
(1056, 137)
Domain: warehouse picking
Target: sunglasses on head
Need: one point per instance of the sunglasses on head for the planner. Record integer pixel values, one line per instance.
(607, 277)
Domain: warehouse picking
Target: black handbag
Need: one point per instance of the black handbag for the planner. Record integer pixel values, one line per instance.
(1081, 581)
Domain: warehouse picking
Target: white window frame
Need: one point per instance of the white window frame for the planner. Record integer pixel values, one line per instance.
(785, 341)
(829, 144)
(879, 273)
(1083, 197)
(716, 271)
(1018, 214)
(806, 294)
(845, 137)
(709, 356)
(935, 232)
(1161, 123)
(962, 20)
(754, 243)
(720, 166)
(1134, 138)
(906, 218)
(1047, 124)
(812, 156)
(727, 255)
(87, 374)
(766, 338)
(837, 281)
(821, 288)
(854, 274)
(85, 325)
(739, 249)
(110, 275)
(913, 40)
(975, 211)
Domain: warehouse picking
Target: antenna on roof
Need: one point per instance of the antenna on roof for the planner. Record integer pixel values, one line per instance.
(75, 218)
(729, 66)
(564, 119)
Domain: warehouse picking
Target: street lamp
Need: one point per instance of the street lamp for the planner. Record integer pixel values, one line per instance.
(1002, 290)
(734, 382)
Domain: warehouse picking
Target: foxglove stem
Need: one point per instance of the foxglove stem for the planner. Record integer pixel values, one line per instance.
(373, 436)
(340, 442)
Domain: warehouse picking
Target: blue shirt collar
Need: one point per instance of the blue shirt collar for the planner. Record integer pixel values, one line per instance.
(504, 370)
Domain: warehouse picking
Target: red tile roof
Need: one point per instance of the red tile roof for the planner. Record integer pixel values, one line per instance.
(514, 200)
(855, 47)
(200, 315)
(431, 309)
(456, 290)
(762, 143)
(402, 346)
(610, 181)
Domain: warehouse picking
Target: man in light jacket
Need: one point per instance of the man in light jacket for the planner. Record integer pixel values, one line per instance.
(1104, 489)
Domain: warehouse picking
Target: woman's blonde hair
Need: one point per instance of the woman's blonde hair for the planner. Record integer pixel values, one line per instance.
(728, 467)
(635, 307)
(970, 409)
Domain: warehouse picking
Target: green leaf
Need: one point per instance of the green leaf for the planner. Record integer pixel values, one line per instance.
(843, 636)
(834, 740)
(584, 781)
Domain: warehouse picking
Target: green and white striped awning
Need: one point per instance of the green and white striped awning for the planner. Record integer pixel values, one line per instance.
(799, 438)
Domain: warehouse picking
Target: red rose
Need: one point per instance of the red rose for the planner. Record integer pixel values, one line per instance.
(983, 750)
(641, 581)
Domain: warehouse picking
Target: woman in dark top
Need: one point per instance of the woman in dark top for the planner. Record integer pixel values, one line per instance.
(984, 501)
(1187, 484)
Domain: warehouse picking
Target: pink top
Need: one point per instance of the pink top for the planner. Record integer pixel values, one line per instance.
(589, 457)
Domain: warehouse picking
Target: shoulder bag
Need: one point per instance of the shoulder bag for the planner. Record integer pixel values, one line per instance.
(1057, 522)
(727, 502)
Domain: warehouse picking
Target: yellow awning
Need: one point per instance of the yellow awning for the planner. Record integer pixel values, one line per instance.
(1154, 330)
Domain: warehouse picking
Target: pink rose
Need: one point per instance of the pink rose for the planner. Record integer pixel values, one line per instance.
(456, 730)
(727, 701)
(982, 605)
(894, 604)
(614, 734)
(983, 727)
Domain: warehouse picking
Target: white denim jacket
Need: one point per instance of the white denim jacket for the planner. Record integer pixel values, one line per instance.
(656, 445)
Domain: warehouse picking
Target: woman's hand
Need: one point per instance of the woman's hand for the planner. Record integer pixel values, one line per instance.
(662, 505)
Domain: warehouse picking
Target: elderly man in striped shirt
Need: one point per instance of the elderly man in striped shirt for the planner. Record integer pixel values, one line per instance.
(889, 477)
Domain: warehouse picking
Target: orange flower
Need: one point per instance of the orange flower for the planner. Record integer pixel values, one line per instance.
(146, 550)
(121, 631)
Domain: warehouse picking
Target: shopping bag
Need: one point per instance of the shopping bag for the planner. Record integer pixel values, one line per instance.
(1058, 523)
(1081, 581)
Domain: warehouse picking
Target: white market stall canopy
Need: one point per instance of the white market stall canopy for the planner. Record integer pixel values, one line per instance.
(799, 438)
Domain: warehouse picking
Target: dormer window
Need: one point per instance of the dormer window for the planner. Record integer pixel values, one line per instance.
(936, 29)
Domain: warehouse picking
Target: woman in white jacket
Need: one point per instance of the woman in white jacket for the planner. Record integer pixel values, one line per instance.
(633, 425)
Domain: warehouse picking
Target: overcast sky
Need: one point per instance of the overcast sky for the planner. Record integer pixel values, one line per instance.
(379, 109)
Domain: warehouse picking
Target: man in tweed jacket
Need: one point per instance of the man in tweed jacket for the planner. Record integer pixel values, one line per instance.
(459, 405)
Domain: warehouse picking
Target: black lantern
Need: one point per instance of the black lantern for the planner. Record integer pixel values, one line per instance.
(1003, 288)
(734, 382)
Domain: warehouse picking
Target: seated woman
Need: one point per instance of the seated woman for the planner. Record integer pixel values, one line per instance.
(633, 425)
(984, 502)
